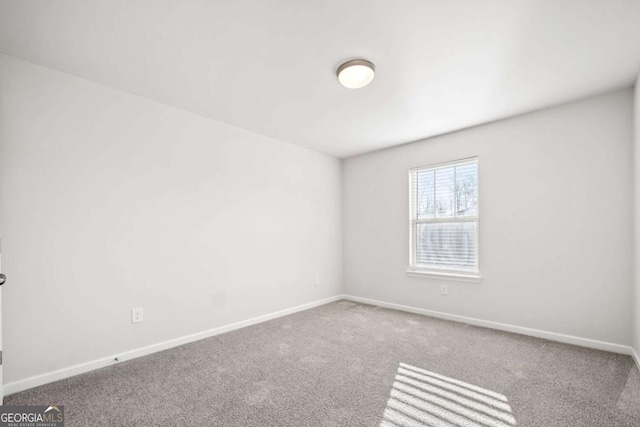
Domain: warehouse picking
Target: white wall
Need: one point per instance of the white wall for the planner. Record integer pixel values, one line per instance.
(109, 202)
(636, 217)
(555, 225)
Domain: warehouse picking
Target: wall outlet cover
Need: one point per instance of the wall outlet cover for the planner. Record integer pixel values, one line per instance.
(136, 315)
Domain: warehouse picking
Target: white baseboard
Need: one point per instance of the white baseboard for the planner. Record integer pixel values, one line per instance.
(568, 339)
(38, 380)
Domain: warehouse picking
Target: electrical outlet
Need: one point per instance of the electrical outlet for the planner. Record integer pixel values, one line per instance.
(316, 281)
(444, 290)
(136, 315)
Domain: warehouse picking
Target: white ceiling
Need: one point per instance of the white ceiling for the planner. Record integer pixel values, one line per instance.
(268, 65)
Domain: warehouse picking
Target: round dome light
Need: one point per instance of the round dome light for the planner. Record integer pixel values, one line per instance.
(356, 73)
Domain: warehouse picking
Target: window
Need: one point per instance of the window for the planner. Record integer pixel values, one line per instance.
(444, 219)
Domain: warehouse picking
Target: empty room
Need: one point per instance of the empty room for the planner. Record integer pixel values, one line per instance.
(320, 213)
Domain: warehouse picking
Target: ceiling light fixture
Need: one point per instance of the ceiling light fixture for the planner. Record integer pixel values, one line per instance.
(356, 73)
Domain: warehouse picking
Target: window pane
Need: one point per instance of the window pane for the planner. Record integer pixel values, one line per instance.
(445, 191)
(425, 194)
(446, 245)
(466, 190)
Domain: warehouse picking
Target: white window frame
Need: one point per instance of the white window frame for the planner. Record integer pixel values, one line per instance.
(435, 272)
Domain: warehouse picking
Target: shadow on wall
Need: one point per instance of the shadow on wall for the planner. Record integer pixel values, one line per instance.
(421, 398)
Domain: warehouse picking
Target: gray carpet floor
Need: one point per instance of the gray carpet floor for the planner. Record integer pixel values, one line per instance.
(348, 364)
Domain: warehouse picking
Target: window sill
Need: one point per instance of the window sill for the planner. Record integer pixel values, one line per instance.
(458, 277)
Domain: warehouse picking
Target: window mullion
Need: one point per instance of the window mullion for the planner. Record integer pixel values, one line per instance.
(445, 220)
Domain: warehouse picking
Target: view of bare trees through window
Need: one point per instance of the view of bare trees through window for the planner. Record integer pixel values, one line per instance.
(446, 212)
